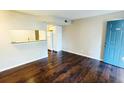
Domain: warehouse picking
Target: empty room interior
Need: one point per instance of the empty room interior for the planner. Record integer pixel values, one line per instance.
(61, 46)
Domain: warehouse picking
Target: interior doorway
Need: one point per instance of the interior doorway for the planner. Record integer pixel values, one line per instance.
(54, 38)
(50, 39)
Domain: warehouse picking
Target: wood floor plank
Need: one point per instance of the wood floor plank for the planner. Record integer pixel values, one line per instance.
(64, 67)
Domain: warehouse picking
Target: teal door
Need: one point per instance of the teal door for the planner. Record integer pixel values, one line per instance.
(114, 44)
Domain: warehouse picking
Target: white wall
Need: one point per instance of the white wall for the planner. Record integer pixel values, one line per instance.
(12, 55)
(87, 36)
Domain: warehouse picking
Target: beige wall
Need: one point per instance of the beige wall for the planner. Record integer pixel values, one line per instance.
(87, 36)
(12, 55)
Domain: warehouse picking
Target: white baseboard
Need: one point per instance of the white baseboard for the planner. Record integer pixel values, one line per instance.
(23, 63)
(83, 55)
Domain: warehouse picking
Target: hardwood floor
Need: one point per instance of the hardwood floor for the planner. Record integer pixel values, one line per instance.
(64, 67)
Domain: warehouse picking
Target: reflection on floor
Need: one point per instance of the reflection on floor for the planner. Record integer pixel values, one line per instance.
(64, 67)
